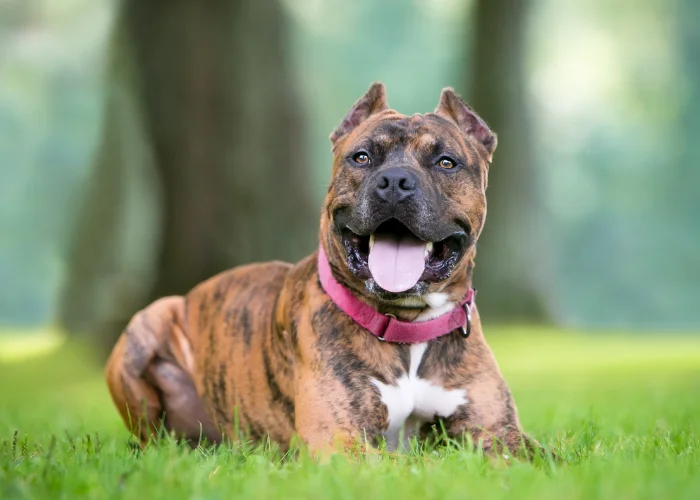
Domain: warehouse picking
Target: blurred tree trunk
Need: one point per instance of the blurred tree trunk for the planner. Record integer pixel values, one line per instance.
(508, 273)
(201, 165)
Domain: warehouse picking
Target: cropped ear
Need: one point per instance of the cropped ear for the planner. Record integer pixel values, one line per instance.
(453, 108)
(372, 102)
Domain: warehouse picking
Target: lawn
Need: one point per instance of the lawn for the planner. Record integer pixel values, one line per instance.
(622, 412)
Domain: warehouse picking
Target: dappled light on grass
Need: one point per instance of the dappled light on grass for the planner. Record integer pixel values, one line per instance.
(18, 345)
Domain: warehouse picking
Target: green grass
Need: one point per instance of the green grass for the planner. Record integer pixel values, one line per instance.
(623, 413)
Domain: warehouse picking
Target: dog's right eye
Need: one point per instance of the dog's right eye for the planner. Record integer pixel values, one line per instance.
(361, 158)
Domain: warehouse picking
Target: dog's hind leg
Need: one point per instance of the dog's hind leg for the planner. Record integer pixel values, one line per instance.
(148, 374)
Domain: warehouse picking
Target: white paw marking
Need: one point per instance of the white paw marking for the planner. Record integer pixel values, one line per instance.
(414, 401)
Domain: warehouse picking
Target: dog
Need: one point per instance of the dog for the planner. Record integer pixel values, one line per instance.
(375, 338)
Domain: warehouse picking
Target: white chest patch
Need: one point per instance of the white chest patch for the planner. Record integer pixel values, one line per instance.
(414, 401)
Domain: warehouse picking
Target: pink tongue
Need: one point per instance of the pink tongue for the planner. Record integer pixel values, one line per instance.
(396, 263)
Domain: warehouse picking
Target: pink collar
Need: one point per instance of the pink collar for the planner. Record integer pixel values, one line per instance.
(386, 327)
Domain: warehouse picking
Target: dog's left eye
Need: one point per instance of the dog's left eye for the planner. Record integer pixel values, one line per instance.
(446, 163)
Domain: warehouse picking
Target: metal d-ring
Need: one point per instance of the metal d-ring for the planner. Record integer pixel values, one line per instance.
(465, 330)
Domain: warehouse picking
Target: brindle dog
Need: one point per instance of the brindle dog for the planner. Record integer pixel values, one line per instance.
(263, 349)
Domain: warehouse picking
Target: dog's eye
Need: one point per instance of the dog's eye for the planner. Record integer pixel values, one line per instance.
(446, 163)
(361, 158)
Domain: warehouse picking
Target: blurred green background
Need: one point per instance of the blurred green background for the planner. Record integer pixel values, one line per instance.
(145, 147)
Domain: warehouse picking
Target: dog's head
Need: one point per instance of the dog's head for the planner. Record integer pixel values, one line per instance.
(407, 199)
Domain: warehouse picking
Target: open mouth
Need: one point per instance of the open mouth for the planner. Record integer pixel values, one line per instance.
(397, 259)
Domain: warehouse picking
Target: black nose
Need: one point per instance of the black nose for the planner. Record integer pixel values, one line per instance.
(396, 184)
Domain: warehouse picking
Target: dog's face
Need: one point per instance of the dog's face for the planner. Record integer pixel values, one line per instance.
(407, 199)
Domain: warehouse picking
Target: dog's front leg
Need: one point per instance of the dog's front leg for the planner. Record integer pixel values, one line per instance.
(323, 419)
(489, 416)
(491, 419)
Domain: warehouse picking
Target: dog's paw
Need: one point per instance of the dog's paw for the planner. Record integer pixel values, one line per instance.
(512, 443)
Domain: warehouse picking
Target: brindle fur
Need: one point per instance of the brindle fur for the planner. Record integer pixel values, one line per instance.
(261, 348)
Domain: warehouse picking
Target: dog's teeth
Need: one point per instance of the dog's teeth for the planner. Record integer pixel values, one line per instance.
(371, 241)
(428, 249)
